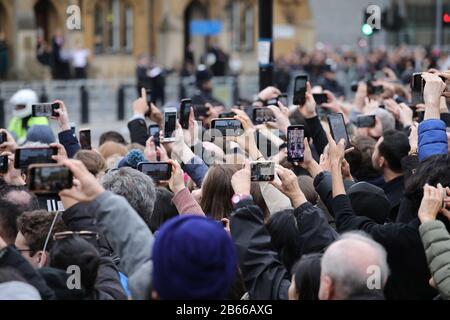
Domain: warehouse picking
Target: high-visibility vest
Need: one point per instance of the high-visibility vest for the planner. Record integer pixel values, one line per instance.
(19, 132)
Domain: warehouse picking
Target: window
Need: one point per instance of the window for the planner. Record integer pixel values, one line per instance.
(99, 19)
(129, 29)
(249, 20)
(236, 25)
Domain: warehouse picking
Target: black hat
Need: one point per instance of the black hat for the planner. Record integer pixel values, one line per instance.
(369, 201)
(203, 75)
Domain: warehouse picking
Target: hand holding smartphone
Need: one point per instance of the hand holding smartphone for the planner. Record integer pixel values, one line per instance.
(158, 171)
(262, 171)
(153, 131)
(227, 127)
(170, 124)
(338, 128)
(85, 139)
(149, 97)
(296, 144)
(45, 110)
(366, 121)
(49, 179)
(25, 157)
(185, 112)
(300, 90)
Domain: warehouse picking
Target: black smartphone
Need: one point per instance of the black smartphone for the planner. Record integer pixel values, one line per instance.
(25, 157)
(3, 137)
(225, 115)
(366, 121)
(227, 127)
(374, 90)
(320, 98)
(338, 128)
(262, 115)
(417, 86)
(45, 109)
(85, 139)
(49, 179)
(200, 111)
(262, 171)
(149, 96)
(158, 171)
(296, 143)
(185, 111)
(170, 124)
(153, 131)
(300, 90)
(4, 161)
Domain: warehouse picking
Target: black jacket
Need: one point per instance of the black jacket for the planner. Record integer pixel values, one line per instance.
(264, 275)
(10, 257)
(138, 131)
(406, 256)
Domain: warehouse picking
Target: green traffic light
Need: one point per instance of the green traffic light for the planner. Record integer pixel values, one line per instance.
(367, 30)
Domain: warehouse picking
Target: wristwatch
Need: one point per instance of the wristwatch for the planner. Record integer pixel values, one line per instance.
(237, 198)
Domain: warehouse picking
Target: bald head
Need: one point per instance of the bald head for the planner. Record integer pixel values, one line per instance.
(353, 265)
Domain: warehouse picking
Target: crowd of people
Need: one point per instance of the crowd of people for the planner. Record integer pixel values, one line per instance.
(367, 221)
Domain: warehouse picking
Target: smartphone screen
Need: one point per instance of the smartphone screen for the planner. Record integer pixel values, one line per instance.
(158, 171)
(170, 125)
(49, 179)
(25, 157)
(227, 127)
(262, 115)
(3, 137)
(185, 111)
(300, 90)
(417, 86)
(225, 115)
(296, 143)
(338, 128)
(153, 131)
(148, 94)
(4, 161)
(272, 102)
(45, 109)
(262, 171)
(366, 121)
(283, 99)
(85, 139)
(320, 98)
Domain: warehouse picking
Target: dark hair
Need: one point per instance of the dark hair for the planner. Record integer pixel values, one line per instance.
(93, 161)
(35, 227)
(306, 184)
(29, 204)
(258, 199)
(8, 221)
(112, 136)
(360, 159)
(394, 148)
(307, 276)
(164, 210)
(9, 274)
(283, 230)
(76, 251)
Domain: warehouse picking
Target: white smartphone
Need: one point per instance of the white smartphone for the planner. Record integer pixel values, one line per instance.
(170, 124)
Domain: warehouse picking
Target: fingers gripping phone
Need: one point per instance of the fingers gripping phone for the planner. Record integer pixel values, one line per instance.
(49, 179)
(185, 112)
(170, 124)
(158, 171)
(338, 128)
(45, 109)
(25, 157)
(296, 143)
(300, 90)
(262, 171)
(85, 139)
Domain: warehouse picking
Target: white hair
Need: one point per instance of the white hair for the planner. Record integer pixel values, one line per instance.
(348, 261)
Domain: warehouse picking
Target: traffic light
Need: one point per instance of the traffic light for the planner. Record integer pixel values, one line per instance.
(446, 19)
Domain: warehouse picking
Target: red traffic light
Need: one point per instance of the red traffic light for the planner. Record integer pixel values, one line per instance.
(446, 18)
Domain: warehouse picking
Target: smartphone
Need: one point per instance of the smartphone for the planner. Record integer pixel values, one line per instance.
(185, 111)
(296, 143)
(225, 115)
(262, 171)
(417, 86)
(148, 94)
(158, 171)
(366, 121)
(153, 131)
(338, 128)
(283, 98)
(49, 179)
(4, 161)
(300, 90)
(25, 157)
(3, 137)
(374, 90)
(262, 115)
(200, 111)
(45, 109)
(320, 98)
(85, 139)
(272, 102)
(227, 127)
(170, 124)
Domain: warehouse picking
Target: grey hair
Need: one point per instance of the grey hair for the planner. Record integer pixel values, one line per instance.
(386, 118)
(346, 266)
(137, 188)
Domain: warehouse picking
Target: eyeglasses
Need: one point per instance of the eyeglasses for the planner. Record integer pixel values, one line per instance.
(83, 234)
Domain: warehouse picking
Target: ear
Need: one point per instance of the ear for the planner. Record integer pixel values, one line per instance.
(381, 162)
(42, 258)
(326, 288)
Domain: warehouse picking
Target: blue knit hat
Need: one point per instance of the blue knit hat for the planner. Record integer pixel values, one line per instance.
(193, 259)
(41, 133)
(132, 159)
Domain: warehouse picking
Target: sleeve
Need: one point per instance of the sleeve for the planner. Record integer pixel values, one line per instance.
(138, 131)
(10, 257)
(69, 142)
(432, 139)
(318, 134)
(264, 276)
(186, 204)
(323, 184)
(196, 169)
(436, 241)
